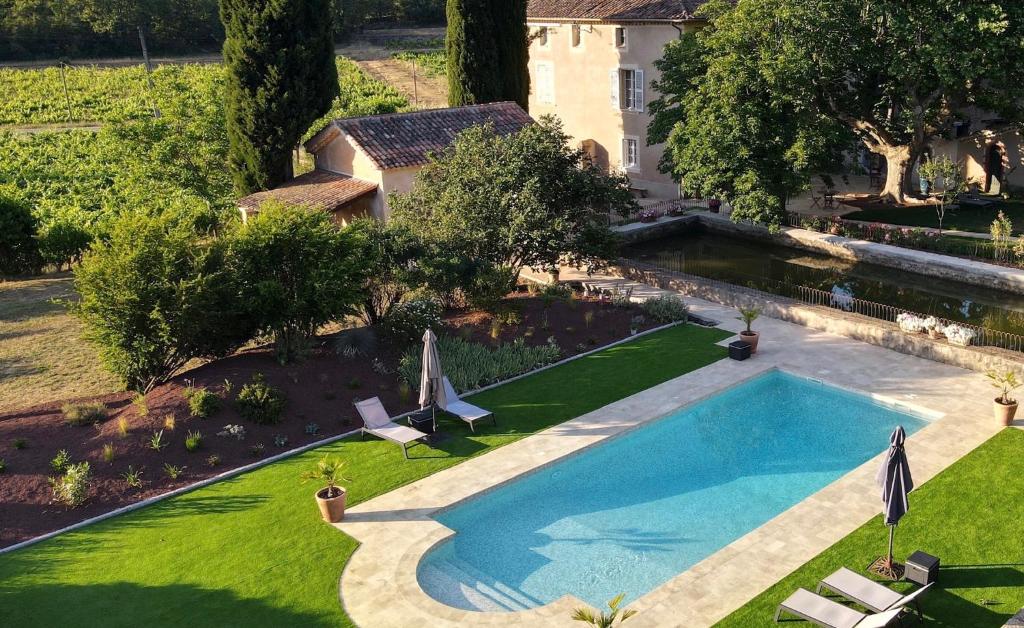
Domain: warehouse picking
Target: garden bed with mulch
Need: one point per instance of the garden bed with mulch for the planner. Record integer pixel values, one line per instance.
(320, 391)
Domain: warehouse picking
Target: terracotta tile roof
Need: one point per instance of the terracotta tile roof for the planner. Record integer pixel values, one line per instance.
(401, 140)
(614, 10)
(320, 188)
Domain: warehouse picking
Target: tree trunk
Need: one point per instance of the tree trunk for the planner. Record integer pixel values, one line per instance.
(899, 163)
(149, 70)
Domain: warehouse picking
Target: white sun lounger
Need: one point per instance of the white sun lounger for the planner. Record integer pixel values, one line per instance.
(377, 422)
(867, 592)
(824, 612)
(465, 411)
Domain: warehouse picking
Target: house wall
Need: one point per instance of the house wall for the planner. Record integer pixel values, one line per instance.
(343, 156)
(399, 180)
(582, 91)
(972, 153)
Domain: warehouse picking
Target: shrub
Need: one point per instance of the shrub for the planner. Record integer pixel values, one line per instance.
(297, 271)
(84, 413)
(312, 429)
(407, 321)
(62, 243)
(193, 441)
(154, 295)
(173, 472)
(3, 465)
(72, 488)
(201, 402)
(235, 431)
(666, 308)
(132, 477)
(122, 426)
(19, 443)
(139, 401)
(19, 251)
(261, 403)
(61, 461)
(170, 422)
(256, 450)
(212, 460)
(280, 441)
(157, 442)
(470, 365)
(108, 453)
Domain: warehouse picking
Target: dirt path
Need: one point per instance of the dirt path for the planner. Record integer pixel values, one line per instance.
(424, 92)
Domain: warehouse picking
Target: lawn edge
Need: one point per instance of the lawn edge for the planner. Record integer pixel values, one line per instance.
(305, 448)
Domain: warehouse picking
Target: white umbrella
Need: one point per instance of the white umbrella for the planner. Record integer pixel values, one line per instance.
(431, 386)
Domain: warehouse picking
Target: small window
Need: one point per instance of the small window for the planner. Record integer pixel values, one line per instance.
(620, 36)
(542, 36)
(577, 35)
(630, 157)
(545, 83)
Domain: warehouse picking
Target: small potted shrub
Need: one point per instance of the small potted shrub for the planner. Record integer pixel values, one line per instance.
(331, 498)
(714, 205)
(749, 336)
(960, 335)
(933, 327)
(1004, 407)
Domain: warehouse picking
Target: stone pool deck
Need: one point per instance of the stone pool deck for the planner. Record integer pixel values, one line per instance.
(379, 585)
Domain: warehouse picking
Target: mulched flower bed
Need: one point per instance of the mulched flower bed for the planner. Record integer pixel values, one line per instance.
(320, 390)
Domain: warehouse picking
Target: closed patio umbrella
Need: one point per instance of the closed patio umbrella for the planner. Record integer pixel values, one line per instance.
(431, 386)
(896, 482)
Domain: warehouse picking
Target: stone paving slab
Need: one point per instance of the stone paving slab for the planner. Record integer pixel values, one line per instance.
(379, 585)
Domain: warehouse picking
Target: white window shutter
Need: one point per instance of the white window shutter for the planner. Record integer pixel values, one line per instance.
(625, 154)
(616, 87)
(638, 90)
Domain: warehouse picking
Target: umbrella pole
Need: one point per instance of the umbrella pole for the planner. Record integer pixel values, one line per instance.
(892, 530)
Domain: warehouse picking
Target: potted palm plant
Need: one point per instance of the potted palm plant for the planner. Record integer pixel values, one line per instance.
(331, 498)
(1004, 407)
(749, 336)
(600, 619)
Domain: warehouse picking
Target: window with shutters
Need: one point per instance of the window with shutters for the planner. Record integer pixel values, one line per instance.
(577, 35)
(542, 36)
(545, 83)
(620, 37)
(630, 153)
(628, 89)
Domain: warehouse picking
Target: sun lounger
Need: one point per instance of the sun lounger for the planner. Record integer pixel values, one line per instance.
(465, 411)
(867, 592)
(377, 422)
(824, 612)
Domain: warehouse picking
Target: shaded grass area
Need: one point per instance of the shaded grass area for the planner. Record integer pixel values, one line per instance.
(43, 356)
(969, 516)
(251, 551)
(964, 219)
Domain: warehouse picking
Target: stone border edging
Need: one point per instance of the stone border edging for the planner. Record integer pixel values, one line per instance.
(149, 501)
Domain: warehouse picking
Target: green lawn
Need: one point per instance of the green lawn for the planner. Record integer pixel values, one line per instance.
(251, 551)
(966, 219)
(969, 516)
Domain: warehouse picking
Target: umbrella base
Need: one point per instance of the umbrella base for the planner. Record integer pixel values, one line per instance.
(887, 569)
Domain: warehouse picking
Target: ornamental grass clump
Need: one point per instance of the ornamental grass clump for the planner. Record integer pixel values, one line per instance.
(470, 365)
(84, 413)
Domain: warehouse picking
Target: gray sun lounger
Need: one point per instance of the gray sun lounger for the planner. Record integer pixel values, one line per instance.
(868, 593)
(824, 612)
(465, 411)
(377, 422)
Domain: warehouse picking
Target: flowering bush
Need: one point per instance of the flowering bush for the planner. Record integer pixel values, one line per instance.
(407, 321)
(910, 323)
(649, 215)
(960, 335)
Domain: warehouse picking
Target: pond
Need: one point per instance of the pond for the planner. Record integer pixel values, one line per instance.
(766, 266)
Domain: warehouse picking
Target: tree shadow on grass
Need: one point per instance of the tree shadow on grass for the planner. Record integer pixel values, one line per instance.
(945, 608)
(129, 604)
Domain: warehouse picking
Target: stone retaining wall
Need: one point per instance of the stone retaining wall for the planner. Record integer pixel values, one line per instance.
(862, 328)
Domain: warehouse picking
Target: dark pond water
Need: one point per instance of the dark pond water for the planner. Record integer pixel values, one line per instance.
(765, 266)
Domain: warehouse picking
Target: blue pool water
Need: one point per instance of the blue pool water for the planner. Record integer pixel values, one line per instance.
(633, 512)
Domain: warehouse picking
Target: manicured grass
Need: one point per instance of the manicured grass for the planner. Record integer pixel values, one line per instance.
(42, 354)
(965, 219)
(251, 551)
(969, 516)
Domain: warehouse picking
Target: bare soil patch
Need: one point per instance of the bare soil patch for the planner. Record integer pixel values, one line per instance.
(320, 390)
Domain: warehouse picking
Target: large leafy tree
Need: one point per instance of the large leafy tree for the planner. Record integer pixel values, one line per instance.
(281, 78)
(156, 294)
(297, 271)
(896, 73)
(488, 52)
(508, 202)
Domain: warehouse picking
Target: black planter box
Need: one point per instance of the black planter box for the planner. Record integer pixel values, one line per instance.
(739, 350)
(922, 568)
(422, 421)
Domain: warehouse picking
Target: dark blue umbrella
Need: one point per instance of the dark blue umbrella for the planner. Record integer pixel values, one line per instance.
(896, 482)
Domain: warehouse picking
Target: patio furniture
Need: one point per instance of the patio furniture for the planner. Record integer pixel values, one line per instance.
(824, 612)
(465, 411)
(830, 198)
(377, 422)
(922, 568)
(868, 593)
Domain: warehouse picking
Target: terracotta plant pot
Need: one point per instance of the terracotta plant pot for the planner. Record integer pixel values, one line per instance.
(1004, 413)
(751, 338)
(332, 509)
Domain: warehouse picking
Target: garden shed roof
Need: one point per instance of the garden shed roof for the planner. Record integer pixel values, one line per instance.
(614, 10)
(319, 188)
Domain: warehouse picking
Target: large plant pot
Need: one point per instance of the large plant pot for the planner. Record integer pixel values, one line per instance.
(751, 338)
(714, 205)
(1004, 412)
(332, 509)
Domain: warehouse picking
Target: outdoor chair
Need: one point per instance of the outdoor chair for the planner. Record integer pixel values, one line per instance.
(824, 612)
(377, 422)
(868, 593)
(465, 411)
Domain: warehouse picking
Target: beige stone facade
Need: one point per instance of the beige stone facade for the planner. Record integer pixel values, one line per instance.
(992, 158)
(596, 77)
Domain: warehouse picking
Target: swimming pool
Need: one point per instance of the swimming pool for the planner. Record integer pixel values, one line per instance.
(630, 513)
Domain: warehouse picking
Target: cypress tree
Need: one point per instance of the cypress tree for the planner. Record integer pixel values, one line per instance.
(512, 38)
(281, 77)
(474, 68)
